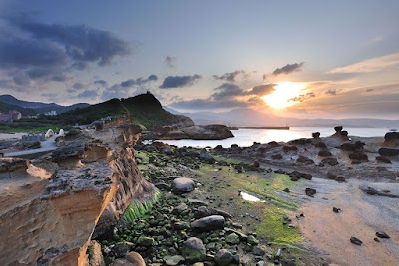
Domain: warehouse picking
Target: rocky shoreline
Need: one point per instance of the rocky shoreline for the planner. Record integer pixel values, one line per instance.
(199, 216)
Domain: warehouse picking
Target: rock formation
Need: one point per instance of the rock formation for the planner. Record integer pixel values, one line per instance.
(52, 205)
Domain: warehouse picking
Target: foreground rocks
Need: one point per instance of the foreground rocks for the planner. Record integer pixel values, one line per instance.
(53, 204)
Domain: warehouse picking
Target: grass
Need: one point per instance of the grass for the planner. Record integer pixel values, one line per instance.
(137, 209)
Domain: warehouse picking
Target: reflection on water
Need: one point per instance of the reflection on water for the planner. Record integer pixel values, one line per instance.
(249, 197)
(246, 137)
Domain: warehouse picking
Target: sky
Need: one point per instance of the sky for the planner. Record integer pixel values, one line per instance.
(304, 59)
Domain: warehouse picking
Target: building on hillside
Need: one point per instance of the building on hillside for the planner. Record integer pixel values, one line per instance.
(11, 116)
(51, 113)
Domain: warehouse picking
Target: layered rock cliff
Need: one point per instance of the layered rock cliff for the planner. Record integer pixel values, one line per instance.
(51, 206)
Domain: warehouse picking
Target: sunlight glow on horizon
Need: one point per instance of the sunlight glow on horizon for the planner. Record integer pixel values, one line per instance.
(284, 92)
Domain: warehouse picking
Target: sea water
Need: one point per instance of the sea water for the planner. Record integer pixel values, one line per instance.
(246, 137)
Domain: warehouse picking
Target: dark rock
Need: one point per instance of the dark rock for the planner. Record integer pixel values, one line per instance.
(207, 158)
(223, 257)
(286, 190)
(344, 133)
(310, 191)
(382, 235)
(145, 241)
(219, 147)
(331, 175)
(356, 162)
(316, 135)
(208, 223)
(321, 145)
(304, 160)
(295, 176)
(383, 159)
(391, 136)
(358, 156)
(324, 153)
(338, 128)
(340, 179)
(234, 146)
(204, 212)
(277, 156)
(182, 185)
(256, 164)
(193, 250)
(273, 144)
(356, 241)
(120, 249)
(280, 171)
(388, 152)
(331, 161)
(289, 148)
(301, 141)
(337, 210)
(258, 251)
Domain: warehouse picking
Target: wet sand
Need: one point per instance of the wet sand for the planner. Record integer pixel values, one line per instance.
(362, 216)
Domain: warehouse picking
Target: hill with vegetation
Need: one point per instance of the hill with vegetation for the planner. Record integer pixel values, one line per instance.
(143, 109)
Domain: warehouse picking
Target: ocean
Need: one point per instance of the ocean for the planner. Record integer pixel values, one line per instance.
(246, 137)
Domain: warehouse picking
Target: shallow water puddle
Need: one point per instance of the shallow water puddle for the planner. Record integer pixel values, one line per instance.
(250, 197)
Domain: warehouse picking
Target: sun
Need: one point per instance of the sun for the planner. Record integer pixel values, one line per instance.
(283, 93)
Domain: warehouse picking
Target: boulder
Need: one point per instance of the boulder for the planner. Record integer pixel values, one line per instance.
(208, 223)
(135, 258)
(224, 257)
(358, 156)
(193, 250)
(207, 158)
(331, 161)
(383, 159)
(182, 185)
(310, 191)
(338, 128)
(356, 241)
(391, 136)
(316, 135)
(232, 238)
(324, 153)
(388, 152)
(304, 160)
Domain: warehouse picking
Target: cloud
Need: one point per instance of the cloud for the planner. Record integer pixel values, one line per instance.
(170, 61)
(79, 86)
(231, 77)
(101, 82)
(262, 90)
(179, 81)
(88, 94)
(303, 97)
(288, 69)
(331, 92)
(370, 65)
(226, 91)
(138, 82)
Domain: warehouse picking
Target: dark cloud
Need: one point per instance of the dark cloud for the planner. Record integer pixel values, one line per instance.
(46, 52)
(179, 81)
(100, 82)
(115, 91)
(79, 86)
(170, 61)
(79, 42)
(287, 69)
(231, 77)
(138, 82)
(262, 90)
(226, 91)
(88, 94)
(201, 104)
(331, 92)
(303, 97)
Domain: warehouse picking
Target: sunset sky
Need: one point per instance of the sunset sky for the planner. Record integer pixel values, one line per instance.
(310, 59)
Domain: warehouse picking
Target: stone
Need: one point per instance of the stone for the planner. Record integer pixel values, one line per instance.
(359, 156)
(331, 175)
(181, 225)
(324, 153)
(331, 161)
(277, 156)
(122, 262)
(223, 257)
(320, 145)
(310, 191)
(356, 241)
(208, 223)
(391, 136)
(182, 185)
(388, 152)
(383, 159)
(337, 210)
(316, 135)
(382, 235)
(121, 248)
(193, 250)
(135, 258)
(304, 160)
(174, 260)
(232, 238)
(338, 128)
(207, 158)
(286, 190)
(145, 241)
(340, 179)
(252, 240)
(258, 251)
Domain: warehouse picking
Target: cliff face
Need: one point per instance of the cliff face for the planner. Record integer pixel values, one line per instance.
(52, 205)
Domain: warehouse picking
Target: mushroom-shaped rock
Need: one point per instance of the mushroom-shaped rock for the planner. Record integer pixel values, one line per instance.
(182, 185)
(208, 223)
